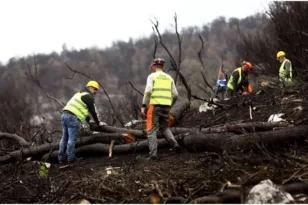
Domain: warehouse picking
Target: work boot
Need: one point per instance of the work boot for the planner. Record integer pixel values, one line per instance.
(147, 159)
(62, 161)
(76, 160)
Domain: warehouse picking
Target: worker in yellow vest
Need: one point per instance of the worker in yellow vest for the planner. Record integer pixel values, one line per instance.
(238, 83)
(160, 94)
(285, 71)
(75, 112)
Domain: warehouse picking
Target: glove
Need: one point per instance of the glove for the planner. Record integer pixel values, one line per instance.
(102, 124)
(143, 113)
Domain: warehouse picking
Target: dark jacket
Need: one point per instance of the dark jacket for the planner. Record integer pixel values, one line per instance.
(89, 101)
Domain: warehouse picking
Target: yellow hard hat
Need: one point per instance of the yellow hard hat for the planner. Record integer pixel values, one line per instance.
(280, 53)
(93, 84)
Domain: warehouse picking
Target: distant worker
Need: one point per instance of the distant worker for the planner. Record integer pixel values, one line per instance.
(285, 71)
(221, 84)
(75, 112)
(160, 94)
(238, 83)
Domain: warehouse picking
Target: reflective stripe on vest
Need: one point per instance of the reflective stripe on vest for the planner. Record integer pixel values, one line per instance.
(76, 106)
(161, 92)
(230, 82)
(282, 71)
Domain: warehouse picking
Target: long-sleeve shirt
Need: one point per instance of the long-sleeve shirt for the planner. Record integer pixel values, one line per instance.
(149, 88)
(89, 101)
(287, 66)
(244, 81)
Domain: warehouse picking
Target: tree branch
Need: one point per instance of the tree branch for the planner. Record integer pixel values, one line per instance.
(201, 61)
(180, 47)
(173, 62)
(155, 43)
(34, 78)
(83, 74)
(135, 88)
(21, 141)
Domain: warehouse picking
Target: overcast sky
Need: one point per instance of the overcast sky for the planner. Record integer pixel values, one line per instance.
(43, 26)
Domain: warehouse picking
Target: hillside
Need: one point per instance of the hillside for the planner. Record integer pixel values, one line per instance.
(227, 150)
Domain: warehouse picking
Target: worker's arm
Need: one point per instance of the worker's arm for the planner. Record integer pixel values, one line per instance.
(147, 91)
(174, 93)
(227, 77)
(235, 79)
(89, 101)
(287, 66)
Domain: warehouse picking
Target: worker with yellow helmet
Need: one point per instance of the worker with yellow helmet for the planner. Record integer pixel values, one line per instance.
(285, 71)
(76, 112)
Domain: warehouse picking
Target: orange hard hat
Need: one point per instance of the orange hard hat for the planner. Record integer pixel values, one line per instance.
(157, 61)
(247, 66)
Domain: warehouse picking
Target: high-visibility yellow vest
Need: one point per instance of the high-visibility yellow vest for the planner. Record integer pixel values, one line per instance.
(76, 106)
(161, 92)
(230, 82)
(282, 71)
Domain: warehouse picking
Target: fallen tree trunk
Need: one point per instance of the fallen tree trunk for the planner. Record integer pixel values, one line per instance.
(229, 141)
(100, 148)
(21, 141)
(42, 149)
(178, 109)
(193, 142)
(141, 134)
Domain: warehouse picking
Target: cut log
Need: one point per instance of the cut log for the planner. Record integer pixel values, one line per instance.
(141, 134)
(193, 142)
(227, 141)
(178, 109)
(21, 141)
(119, 149)
(42, 149)
(100, 148)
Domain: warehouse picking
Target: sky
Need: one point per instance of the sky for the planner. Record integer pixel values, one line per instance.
(42, 26)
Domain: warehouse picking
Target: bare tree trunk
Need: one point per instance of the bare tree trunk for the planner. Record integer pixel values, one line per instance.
(141, 134)
(227, 141)
(16, 138)
(100, 148)
(178, 109)
(42, 149)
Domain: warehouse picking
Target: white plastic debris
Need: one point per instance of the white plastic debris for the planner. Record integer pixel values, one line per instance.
(276, 118)
(207, 106)
(47, 165)
(113, 170)
(94, 132)
(134, 122)
(266, 192)
(298, 108)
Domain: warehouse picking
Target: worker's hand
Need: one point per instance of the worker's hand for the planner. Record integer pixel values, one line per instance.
(102, 124)
(143, 113)
(245, 93)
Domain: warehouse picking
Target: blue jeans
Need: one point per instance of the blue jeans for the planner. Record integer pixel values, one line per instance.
(70, 129)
